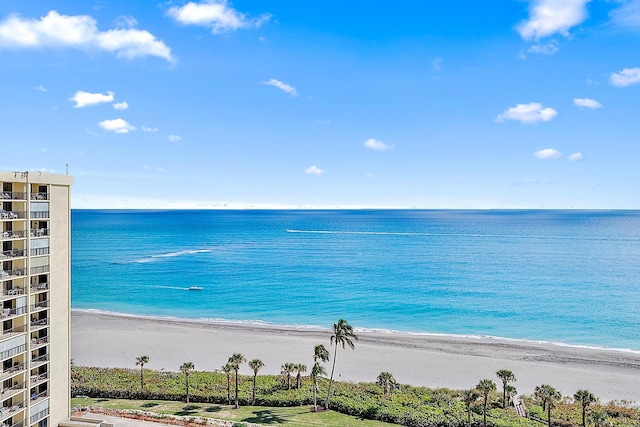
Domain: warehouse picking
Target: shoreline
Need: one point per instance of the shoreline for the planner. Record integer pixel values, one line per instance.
(114, 340)
(259, 324)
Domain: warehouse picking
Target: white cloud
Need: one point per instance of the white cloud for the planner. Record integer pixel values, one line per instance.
(548, 17)
(548, 153)
(374, 144)
(151, 130)
(215, 14)
(83, 99)
(314, 170)
(627, 15)
(528, 113)
(544, 49)
(117, 126)
(626, 77)
(41, 88)
(576, 157)
(79, 32)
(175, 138)
(586, 103)
(282, 86)
(121, 105)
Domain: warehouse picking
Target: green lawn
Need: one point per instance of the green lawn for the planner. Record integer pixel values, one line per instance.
(287, 417)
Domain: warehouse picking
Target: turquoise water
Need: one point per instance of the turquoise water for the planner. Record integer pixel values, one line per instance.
(562, 276)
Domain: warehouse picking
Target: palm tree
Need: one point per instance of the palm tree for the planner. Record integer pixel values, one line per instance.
(586, 398)
(469, 397)
(317, 370)
(235, 361)
(186, 369)
(485, 387)
(599, 418)
(387, 382)
(320, 353)
(511, 393)
(506, 376)
(342, 334)
(227, 370)
(142, 360)
(286, 370)
(255, 364)
(299, 368)
(549, 397)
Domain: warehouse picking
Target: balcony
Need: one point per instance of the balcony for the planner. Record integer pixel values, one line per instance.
(10, 391)
(14, 253)
(13, 234)
(39, 251)
(39, 323)
(10, 372)
(8, 312)
(13, 351)
(9, 411)
(37, 342)
(36, 417)
(12, 274)
(39, 196)
(39, 395)
(40, 305)
(6, 333)
(37, 287)
(40, 270)
(39, 214)
(12, 195)
(39, 232)
(13, 291)
(14, 214)
(39, 360)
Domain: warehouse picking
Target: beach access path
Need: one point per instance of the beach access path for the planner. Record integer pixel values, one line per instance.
(111, 340)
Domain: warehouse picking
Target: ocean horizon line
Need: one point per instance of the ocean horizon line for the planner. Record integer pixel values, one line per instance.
(381, 331)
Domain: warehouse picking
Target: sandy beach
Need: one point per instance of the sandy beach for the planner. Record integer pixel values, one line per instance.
(108, 340)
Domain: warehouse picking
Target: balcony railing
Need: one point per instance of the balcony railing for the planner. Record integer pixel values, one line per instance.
(14, 330)
(40, 305)
(39, 251)
(13, 291)
(11, 409)
(40, 395)
(39, 341)
(43, 358)
(13, 214)
(39, 270)
(12, 195)
(14, 387)
(36, 287)
(39, 196)
(37, 378)
(13, 234)
(7, 312)
(8, 274)
(13, 351)
(39, 232)
(40, 322)
(12, 370)
(14, 253)
(39, 214)
(38, 416)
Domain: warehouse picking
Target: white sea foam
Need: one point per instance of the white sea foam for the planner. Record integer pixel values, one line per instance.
(152, 258)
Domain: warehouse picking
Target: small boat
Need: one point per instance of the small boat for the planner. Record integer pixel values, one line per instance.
(195, 288)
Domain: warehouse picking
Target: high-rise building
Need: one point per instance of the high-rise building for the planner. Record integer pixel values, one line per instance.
(35, 293)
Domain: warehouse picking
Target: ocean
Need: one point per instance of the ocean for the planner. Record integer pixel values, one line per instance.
(569, 277)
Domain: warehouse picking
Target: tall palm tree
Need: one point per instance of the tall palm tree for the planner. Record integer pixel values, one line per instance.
(469, 397)
(235, 361)
(286, 370)
(485, 387)
(511, 393)
(342, 335)
(549, 397)
(506, 376)
(142, 360)
(186, 369)
(320, 353)
(316, 371)
(300, 369)
(227, 369)
(387, 382)
(586, 398)
(255, 364)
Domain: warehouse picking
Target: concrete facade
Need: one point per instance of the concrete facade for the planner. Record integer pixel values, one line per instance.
(35, 292)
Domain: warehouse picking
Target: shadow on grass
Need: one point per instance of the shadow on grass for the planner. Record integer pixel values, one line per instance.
(101, 400)
(266, 417)
(215, 408)
(149, 405)
(188, 410)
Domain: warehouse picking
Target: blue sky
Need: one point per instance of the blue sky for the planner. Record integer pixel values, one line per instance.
(411, 104)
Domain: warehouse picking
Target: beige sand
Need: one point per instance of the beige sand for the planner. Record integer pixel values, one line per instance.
(436, 361)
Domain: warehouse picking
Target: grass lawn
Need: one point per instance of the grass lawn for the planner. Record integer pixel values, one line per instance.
(287, 417)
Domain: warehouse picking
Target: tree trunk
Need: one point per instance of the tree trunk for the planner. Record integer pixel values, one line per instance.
(333, 367)
(315, 395)
(549, 415)
(253, 395)
(237, 406)
(484, 412)
(228, 389)
(584, 414)
(504, 395)
(469, 415)
(187, 389)
(141, 378)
